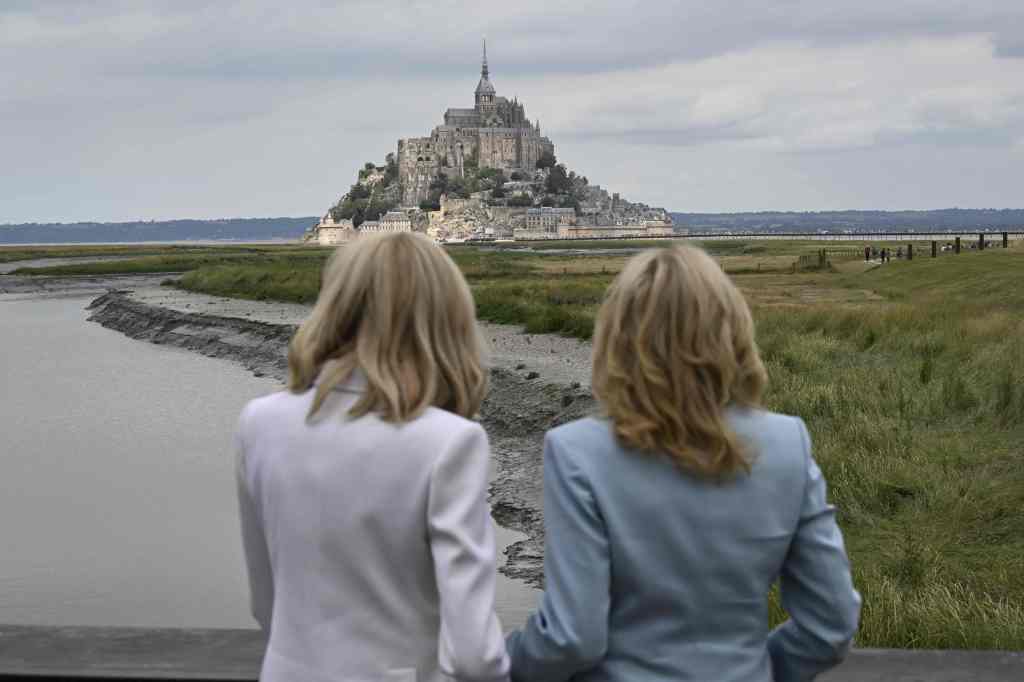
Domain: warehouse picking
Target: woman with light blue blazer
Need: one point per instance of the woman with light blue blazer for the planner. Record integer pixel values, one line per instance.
(670, 517)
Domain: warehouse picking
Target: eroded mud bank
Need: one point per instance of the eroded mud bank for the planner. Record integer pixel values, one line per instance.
(516, 413)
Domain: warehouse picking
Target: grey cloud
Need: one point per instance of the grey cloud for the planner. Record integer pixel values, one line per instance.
(688, 136)
(264, 42)
(317, 87)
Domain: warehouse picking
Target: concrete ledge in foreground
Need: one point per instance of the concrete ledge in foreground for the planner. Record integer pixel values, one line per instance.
(77, 653)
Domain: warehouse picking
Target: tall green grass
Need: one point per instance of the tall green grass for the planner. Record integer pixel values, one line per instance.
(182, 262)
(916, 408)
(915, 402)
(15, 253)
(282, 280)
(563, 304)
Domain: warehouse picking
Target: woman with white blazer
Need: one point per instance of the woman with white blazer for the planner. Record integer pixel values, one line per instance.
(669, 517)
(362, 488)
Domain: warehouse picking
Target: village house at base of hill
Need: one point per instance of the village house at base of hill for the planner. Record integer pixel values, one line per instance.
(487, 172)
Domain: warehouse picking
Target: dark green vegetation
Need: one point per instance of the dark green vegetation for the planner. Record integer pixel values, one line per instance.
(170, 259)
(377, 189)
(10, 254)
(367, 200)
(910, 377)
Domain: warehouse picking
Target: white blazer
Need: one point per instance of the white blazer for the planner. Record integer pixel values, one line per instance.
(369, 545)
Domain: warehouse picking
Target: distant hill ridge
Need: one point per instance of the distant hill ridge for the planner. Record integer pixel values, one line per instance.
(158, 230)
(854, 221)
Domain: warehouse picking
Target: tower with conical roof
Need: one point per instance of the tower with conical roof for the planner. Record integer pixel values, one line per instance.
(484, 90)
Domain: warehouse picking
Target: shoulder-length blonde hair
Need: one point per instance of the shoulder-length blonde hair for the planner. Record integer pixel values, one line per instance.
(673, 347)
(397, 308)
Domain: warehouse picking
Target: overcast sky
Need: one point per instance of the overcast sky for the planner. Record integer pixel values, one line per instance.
(123, 110)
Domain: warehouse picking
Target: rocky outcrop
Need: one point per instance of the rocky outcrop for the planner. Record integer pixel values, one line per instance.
(517, 411)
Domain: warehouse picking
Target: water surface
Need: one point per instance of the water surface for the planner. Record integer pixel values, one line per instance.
(117, 499)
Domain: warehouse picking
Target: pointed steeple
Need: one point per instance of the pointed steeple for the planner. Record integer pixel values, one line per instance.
(484, 89)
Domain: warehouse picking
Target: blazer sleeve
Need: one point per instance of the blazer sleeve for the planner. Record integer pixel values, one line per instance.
(470, 645)
(817, 588)
(254, 541)
(569, 631)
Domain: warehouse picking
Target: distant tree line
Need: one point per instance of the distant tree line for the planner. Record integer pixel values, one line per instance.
(856, 221)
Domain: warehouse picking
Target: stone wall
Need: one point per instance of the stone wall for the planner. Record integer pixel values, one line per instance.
(526, 233)
(507, 215)
(457, 205)
(613, 231)
(331, 236)
(418, 163)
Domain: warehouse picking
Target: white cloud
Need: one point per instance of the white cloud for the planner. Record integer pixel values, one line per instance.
(122, 109)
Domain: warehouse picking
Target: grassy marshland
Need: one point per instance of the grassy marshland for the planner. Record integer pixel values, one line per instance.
(910, 376)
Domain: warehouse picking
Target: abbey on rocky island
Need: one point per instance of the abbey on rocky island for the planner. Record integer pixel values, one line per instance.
(486, 172)
(495, 133)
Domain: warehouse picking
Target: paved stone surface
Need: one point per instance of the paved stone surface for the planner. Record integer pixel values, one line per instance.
(171, 654)
(898, 665)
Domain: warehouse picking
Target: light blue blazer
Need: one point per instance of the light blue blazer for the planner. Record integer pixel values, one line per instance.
(653, 574)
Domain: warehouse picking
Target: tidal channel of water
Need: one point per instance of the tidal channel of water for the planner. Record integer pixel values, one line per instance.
(117, 499)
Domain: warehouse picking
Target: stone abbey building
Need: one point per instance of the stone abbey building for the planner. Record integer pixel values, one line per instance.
(495, 133)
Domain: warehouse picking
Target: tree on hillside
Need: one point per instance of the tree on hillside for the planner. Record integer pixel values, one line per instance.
(569, 201)
(352, 205)
(459, 187)
(558, 180)
(439, 185)
(489, 173)
(520, 200)
(358, 191)
(391, 172)
(376, 209)
(367, 168)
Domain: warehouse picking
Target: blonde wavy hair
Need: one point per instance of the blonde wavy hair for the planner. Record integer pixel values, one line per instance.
(673, 347)
(397, 308)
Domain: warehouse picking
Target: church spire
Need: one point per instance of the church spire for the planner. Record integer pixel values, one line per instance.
(484, 89)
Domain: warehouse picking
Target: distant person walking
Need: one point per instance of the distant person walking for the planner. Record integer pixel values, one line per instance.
(363, 487)
(669, 517)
